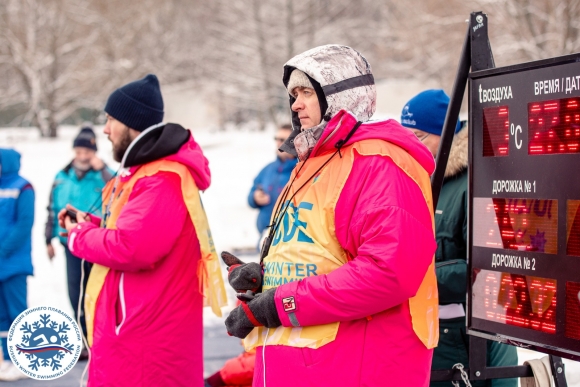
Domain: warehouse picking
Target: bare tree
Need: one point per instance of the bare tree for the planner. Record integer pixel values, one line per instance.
(68, 54)
(524, 30)
(60, 55)
(47, 44)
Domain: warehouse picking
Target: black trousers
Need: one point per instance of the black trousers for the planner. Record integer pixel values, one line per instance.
(73, 273)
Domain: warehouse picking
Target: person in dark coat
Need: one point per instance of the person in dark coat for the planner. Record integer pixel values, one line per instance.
(425, 114)
(16, 219)
(271, 180)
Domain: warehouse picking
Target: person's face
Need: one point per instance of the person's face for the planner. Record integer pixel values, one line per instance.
(280, 137)
(120, 136)
(307, 107)
(430, 140)
(83, 156)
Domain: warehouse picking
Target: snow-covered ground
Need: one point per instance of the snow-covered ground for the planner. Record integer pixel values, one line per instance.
(235, 159)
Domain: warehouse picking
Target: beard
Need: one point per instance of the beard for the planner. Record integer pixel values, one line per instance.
(120, 148)
(82, 165)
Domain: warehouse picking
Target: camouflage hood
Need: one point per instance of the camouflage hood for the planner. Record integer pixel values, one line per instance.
(346, 80)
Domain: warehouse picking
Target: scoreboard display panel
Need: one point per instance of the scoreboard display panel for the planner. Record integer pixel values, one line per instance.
(524, 205)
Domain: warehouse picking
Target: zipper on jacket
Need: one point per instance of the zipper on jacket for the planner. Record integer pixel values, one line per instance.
(122, 300)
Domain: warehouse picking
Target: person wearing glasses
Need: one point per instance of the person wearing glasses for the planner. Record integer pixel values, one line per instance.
(271, 180)
(424, 115)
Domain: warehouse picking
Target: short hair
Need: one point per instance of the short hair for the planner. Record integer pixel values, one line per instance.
(286, 127)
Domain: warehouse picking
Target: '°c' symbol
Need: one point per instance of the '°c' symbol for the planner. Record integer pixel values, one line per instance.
(514, 132)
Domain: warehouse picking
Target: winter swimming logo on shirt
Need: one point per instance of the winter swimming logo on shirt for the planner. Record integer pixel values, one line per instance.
(291, 224)
(44, 343)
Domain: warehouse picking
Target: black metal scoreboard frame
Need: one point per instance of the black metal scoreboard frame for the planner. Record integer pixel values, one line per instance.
(524, 205)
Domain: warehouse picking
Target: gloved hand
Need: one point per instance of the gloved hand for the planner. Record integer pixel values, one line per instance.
(242, 276)
(261, 311)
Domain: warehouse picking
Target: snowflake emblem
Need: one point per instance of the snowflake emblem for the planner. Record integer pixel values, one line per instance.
(45, 343)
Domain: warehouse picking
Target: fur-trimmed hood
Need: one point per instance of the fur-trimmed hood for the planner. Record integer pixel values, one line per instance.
(458, 159)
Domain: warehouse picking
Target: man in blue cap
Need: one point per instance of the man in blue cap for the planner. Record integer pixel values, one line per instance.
(425, 114)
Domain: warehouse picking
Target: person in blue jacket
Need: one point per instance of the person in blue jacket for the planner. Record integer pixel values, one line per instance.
(80, 184)
(271, 180)
(16, 219)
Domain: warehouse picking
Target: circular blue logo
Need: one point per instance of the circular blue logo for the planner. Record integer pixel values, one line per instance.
(44, 342)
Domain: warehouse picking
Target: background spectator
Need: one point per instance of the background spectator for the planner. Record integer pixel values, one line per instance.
(79, 183)
(271, 180)
(16, 219)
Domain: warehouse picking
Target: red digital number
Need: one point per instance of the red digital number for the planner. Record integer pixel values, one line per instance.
(573, 228)
(513, 299)
(496, 131)
(554, 126)
(573, 310)
(516, 224)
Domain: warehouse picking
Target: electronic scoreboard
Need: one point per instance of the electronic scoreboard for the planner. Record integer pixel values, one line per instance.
(524, 216)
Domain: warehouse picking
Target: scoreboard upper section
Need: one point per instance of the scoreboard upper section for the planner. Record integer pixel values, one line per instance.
(524, 196)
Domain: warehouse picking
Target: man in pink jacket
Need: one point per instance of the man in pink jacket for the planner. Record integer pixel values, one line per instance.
(143, 302)
(349, 294)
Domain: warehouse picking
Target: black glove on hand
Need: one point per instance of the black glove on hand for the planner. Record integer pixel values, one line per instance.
(242, 276)
(261, 311)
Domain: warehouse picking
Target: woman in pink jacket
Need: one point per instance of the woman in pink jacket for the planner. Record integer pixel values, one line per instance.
(349, 294)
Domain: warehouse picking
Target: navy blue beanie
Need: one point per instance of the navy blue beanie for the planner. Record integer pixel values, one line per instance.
(426, 112)
(138, 104)
(86, 139)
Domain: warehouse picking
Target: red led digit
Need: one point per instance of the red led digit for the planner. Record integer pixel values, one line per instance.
(573, 227)
(554, 126)
(516, 224)
(513, 299)
(496, 131)
(572, 329)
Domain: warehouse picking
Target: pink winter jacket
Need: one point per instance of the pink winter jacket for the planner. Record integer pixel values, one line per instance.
(382, 220)
(148, 320)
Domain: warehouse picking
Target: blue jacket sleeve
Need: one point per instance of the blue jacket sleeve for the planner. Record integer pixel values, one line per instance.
(21, 230)
(257, 183)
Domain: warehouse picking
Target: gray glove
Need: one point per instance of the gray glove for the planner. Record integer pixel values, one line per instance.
(261, 311)
(242, 276)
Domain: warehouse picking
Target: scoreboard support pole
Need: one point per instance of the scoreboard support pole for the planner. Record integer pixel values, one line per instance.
(475, 55)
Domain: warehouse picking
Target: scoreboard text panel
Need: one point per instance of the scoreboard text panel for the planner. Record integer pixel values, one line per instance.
(524, 228)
